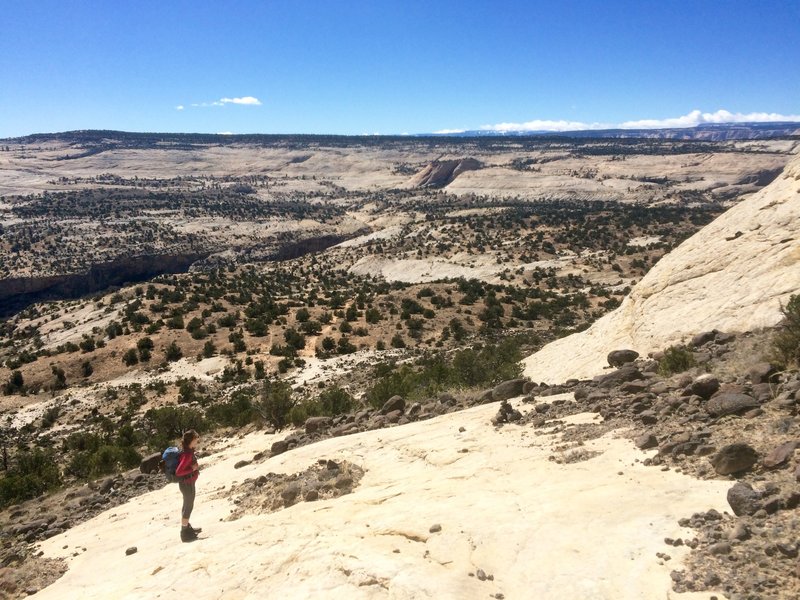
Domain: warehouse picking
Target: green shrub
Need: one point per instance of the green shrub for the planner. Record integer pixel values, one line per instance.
(274, 403)
(173, 352)
(236, 412)
(335, 401)
(785, 350)
(471, 367)
(130, 357)
(33, 474)
(162, 426)
(677, 359)
(15, 383)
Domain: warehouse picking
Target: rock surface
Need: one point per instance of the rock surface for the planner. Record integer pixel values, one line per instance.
(344, 547)
(698, 286)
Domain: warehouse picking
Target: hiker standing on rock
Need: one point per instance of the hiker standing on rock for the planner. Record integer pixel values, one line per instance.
(187, 473)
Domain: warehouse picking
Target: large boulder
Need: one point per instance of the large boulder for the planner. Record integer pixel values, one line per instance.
(744, 500)
(617, 358)
(734, 458)
(150, 463)
(314, 424)
(762, 372)
(705, 386)
(392, 404)
(701, 339)
(618, 377)
(508, 389)
(730, 403)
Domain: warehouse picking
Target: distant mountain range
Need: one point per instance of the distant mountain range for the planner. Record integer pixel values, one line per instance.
(718, 132)
(710, 132)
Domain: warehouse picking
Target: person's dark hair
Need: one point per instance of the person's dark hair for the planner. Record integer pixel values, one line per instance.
(188, 437)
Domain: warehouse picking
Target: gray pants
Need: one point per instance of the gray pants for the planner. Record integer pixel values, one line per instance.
(187, 490)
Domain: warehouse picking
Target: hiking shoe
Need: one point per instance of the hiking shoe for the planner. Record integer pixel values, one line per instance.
(188, 534)
(195, 529)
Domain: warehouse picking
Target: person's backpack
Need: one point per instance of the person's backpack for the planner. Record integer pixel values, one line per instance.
(169, 460)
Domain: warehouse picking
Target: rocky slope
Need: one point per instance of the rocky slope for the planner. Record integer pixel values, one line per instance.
(732, 275)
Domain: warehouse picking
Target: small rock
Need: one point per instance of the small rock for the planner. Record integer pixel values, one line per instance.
(311, 495)
(720, 548)
(241, 463)
(290, 492)
(480, 574)
(435, 528)
(131, 550)
(739, 532)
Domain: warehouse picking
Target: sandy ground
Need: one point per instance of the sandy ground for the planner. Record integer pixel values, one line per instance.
(583, 530)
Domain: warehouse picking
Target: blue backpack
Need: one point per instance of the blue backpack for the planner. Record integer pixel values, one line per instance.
(171, 457)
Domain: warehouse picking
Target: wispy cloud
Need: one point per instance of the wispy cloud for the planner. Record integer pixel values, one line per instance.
(179, 107)
(692, 119)
(242, 101)
(248, 100)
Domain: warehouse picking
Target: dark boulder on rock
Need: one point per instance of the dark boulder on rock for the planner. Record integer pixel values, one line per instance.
(618, 377)
(779, 455)
(508, 389)
(314, 424)
(392, 404)
(131, 550)
(743, 499)
(646, 441)
(150, 463)
(279, 447)
(506, 414)
(734, 458)
(617, 358)
(705, 386)
(730, 403)
(701, 339)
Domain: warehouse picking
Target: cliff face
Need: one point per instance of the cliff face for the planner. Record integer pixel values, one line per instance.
(732, 275)
(18, 292)
(439, 173)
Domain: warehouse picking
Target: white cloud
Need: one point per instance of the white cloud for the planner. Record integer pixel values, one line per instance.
(248, 100)
(179, 107)
(544, 125)
(693, 119)
(446, 131)
(244, 101)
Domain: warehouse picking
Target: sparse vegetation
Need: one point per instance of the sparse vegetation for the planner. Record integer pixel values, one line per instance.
(785, 349)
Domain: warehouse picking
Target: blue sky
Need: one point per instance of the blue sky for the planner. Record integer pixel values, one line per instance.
(392, 67)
